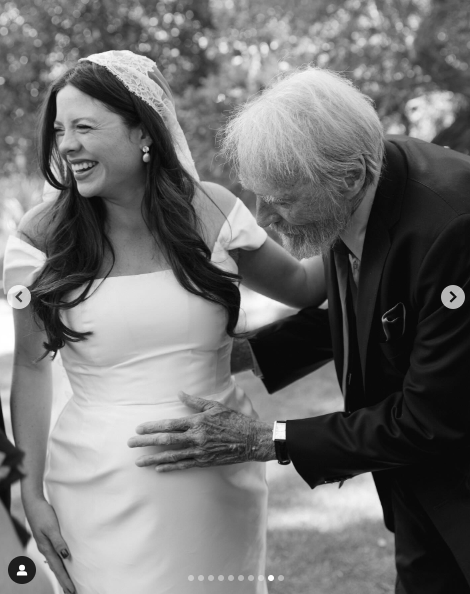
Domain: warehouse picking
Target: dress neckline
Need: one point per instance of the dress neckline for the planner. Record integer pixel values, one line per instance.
(133, 275)
(226, 223)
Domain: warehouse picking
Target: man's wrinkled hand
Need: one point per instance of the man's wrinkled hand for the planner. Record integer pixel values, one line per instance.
(216, 435)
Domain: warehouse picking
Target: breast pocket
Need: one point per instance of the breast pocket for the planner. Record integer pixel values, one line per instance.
(397, 353)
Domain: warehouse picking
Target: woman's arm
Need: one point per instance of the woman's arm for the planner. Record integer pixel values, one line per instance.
(31, 399)
(273, 272)
(31, 402)
(270, 269)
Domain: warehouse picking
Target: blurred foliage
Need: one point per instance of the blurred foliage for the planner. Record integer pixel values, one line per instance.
(39, 39)
(443, 49)
(217, 53)
(443, 45)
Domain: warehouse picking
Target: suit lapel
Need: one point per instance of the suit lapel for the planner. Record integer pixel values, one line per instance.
(376, 248)
(384, 214)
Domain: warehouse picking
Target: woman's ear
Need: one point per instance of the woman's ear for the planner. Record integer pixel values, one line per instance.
(145, 138)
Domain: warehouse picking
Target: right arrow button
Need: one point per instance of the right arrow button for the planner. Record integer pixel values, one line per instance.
(453, 297)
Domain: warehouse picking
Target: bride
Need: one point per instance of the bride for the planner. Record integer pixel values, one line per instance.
(133, 273)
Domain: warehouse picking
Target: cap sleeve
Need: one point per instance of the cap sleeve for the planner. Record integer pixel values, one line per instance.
(239, 231)
(22, 263)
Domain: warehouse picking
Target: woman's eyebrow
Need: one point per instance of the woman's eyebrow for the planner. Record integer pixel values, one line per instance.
(92, 120)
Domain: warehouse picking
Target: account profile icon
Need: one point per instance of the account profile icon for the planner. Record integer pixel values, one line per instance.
(21, 570)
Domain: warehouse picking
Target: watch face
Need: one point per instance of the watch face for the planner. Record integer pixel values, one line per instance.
(280, 431)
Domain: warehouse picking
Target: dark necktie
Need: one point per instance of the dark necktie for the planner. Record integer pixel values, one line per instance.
(352, 382)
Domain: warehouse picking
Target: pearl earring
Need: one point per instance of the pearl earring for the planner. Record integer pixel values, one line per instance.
(146, 157)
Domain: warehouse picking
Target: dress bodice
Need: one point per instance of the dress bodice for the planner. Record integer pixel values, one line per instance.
(150, 337)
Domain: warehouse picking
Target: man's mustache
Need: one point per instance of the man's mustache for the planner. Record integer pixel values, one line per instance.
(291, 230)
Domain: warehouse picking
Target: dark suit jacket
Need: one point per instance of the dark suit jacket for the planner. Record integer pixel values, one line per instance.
(412, 422)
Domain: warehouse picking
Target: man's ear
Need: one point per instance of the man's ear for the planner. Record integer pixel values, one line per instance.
(354, 180)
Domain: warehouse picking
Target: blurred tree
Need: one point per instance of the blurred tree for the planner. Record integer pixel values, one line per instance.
(443, 49)
(41, 38)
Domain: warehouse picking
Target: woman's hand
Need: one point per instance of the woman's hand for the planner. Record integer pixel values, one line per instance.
(46, 531)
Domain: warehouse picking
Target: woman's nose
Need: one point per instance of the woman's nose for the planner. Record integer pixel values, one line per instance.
(67, 143)
(265, 213)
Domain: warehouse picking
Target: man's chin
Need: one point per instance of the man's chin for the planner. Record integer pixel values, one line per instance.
(299, 247)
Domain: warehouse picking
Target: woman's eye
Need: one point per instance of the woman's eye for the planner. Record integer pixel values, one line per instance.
(58, 131)
(83, 127)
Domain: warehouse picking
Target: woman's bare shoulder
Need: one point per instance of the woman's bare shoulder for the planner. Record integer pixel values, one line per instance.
(33, 225)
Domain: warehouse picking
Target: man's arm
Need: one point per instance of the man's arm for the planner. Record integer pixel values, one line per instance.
(429, 418)
(286, 350)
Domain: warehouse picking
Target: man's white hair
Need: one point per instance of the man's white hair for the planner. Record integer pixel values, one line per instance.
(311, 125)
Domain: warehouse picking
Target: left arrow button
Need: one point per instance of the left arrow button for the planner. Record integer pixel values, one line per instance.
(19, 297)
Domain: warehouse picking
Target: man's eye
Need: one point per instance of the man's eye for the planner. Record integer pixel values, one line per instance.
(83, 127)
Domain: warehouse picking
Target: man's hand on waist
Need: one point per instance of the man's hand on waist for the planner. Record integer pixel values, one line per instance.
(216, 435)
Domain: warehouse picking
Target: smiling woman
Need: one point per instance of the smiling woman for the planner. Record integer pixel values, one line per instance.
(88, 117)
(133, 276)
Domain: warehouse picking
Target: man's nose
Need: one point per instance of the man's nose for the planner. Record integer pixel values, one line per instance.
(265, 213)
(67, 143)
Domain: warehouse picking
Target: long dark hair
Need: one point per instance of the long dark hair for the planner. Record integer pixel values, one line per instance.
(75, 239)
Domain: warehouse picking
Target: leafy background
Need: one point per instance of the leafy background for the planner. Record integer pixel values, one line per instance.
(216, 54)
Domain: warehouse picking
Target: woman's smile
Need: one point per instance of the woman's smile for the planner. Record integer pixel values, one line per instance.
(83, 169)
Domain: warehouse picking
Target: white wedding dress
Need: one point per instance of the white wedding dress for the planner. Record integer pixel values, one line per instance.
(132, 530)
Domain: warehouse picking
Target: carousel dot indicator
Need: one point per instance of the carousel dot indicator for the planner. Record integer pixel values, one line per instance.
(271, 578)
(201, 578)
(251, 578)
(261, 578)
(191, 578)
(221, 578)
(211, 578)
(241, 578)
(230, 578)
(281, 578)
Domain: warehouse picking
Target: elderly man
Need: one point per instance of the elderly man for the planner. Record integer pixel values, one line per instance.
(389, 223)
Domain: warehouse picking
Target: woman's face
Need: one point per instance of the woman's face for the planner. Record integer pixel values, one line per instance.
(104, 155)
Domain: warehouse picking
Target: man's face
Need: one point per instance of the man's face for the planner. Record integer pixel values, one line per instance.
(308, 223)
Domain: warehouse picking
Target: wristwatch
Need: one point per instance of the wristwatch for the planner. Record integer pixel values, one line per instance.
(280, 444)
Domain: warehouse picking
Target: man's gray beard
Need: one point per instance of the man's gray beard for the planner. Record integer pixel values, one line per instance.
(313, 239)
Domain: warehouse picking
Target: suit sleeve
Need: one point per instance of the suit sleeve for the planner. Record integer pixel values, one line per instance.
(291, 348)
(430, 417)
